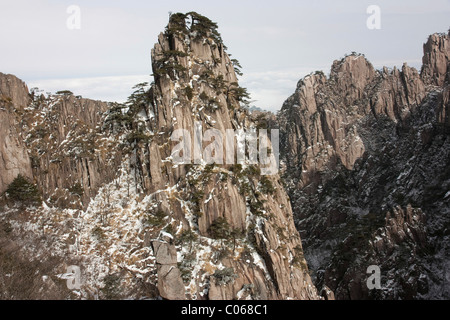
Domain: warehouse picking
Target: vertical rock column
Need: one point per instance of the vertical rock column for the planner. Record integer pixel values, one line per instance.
(170, 284)
(14, 159)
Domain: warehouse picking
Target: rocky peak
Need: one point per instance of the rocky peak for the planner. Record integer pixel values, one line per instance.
(323, 116)
(196, 39)
(191, 68)
(196, 85)
(350, 77)
(13, 91)
(435, 68)
(319, 118)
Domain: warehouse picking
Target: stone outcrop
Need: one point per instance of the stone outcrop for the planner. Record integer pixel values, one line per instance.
(195, 82)
(435, 61)
(14, 159)
(14, 91)
(401, 225)
(62, 136)
(14, 156)
(170, 284)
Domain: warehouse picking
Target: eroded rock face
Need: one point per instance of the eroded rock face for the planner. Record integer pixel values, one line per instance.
(444, 110)
(322, 119)
(170, 284)
(436, 59)
(62, 137)
(14, 158)
(14, 90)
(51, 140)
(365, 153)
(197, 88)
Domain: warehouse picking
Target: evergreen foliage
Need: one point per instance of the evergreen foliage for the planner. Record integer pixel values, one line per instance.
(224, 276)
(64, 93)
(22, 190)
(220, 229)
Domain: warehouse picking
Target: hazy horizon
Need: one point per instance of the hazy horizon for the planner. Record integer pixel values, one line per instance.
(276, 44)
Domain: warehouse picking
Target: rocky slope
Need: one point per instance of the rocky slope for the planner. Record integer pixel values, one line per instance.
(366, 156)
(116, 204)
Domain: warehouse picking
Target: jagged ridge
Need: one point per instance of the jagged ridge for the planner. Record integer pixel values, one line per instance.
(366, 155)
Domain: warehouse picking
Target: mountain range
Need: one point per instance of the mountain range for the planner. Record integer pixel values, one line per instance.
(363, 180)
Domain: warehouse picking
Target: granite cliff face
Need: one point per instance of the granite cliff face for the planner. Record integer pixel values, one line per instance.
(326, 113)
(366, 156)
(436, 60)
(14, 159)
(116, 204)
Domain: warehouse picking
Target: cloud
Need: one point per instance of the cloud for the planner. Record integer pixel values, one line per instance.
(269, 89)
(277, 43)
(114, 88)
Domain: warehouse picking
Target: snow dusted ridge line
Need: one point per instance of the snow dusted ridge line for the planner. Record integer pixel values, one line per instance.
(188, 149)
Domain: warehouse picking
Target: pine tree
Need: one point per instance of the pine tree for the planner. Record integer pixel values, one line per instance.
(22, 190)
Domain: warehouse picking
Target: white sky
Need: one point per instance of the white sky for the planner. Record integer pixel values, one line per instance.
(277, 42)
